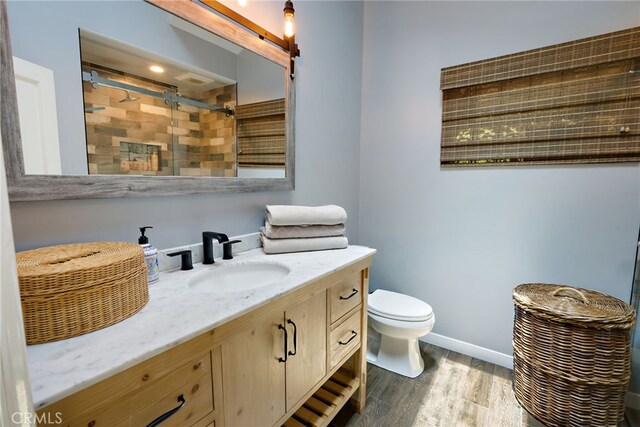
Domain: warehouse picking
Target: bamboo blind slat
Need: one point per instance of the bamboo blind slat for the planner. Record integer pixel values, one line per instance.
(262, 145)
(604, 149)
(585, 121)
(260, 109)
(261, 134)
(261, 160)
(589, 91)
(261, 126)
(534, 162)
(586, 110)
(600, 49)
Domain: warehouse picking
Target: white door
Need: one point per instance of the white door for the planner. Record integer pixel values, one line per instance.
(38, 118)
(16, 407)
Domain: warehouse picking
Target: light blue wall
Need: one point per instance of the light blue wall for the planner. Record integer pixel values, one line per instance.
(46, 33)
(327, 151)
(462, 239)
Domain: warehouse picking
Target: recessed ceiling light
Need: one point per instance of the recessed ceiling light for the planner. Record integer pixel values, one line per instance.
(242, 3)
(156, 69)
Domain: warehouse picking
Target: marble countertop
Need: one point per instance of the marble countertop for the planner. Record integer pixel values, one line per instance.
(174, 314)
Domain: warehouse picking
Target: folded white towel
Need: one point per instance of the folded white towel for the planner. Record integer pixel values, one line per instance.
(301, 231)
(279, 246)
(306, 215)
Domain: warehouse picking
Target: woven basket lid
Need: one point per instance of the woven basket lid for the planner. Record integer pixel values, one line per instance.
(63, 268)
(574, 305)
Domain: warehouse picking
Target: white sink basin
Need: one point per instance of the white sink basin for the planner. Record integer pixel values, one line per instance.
(238, 277)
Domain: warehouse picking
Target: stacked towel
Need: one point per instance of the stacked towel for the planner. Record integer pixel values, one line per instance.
(302, 231)
(281, 246)
(306, 215)
(303, 228)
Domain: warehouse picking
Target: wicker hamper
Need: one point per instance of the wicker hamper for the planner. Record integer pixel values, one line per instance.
(571, 354)
(70, 290)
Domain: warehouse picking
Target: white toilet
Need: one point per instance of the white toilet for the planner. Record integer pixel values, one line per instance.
(397, 321)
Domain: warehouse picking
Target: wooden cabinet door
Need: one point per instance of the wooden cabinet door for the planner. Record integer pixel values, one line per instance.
(307, 326)
(253, 376)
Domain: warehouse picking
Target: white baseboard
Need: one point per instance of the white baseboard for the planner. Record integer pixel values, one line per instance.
(633, 401)
(472, 350)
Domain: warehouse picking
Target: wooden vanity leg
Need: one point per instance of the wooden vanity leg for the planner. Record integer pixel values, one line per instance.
(359, 399)
(216, 377)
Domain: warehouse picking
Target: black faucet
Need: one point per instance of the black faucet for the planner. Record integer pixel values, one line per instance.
(207, 244)
(187, 264)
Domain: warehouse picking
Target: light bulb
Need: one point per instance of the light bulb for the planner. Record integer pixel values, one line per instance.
(289, 29)
(242, 3)
(156, 69)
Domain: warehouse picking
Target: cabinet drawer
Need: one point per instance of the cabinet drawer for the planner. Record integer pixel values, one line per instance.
(193, 398)
(345, 295)
(192, 380)
(344, 338)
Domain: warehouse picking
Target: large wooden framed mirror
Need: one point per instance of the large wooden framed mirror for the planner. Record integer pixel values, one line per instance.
(142, 98)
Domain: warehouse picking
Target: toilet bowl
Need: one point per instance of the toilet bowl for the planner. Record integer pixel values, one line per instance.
(398, 321)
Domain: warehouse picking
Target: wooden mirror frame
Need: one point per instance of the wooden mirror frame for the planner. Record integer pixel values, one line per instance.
(58, 187)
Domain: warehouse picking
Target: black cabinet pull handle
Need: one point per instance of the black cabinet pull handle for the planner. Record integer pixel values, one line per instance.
(286, 345)
(353, 293)
(295, 338)
(354, 334)
(168, 414)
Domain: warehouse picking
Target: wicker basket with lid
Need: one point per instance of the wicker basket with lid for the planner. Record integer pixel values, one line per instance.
(571, 361)
(70, 290)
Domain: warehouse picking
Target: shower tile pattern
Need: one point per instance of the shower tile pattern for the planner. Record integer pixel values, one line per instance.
(218, 140)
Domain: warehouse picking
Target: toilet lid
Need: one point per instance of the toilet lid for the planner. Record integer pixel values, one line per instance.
(393, 305)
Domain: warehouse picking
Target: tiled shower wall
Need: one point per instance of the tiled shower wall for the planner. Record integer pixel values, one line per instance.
(218, 134)
(189, 141)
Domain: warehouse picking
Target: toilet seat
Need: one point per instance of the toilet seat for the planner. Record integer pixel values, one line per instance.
(399, 307)
(403, 324)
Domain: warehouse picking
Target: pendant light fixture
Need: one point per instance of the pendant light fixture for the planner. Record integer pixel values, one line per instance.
(290, 35)
(289, 29)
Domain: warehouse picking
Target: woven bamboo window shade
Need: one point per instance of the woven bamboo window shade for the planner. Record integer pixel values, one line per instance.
(261, 134)
(575, 102)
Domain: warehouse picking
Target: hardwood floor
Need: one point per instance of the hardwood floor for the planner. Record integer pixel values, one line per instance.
(454, 390)
(633, 418)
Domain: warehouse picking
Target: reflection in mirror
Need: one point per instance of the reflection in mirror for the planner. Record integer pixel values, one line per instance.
(147, 115)
(132, 90)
